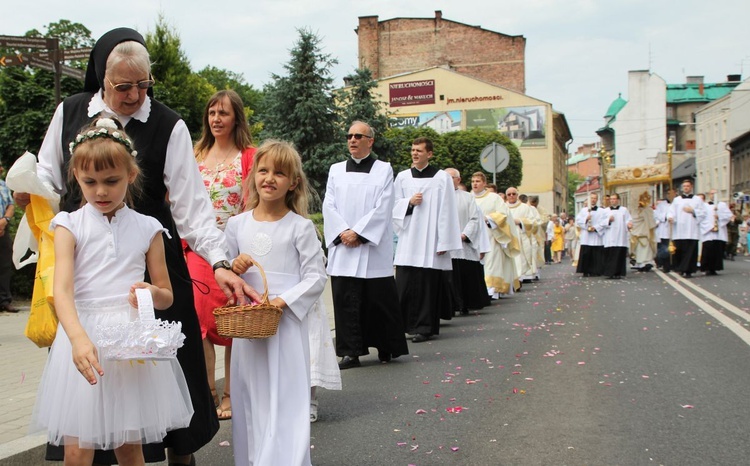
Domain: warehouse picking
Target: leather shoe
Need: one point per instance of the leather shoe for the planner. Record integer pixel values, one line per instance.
(9, 308)
(419, 338)
(347, 362)
(384, 356)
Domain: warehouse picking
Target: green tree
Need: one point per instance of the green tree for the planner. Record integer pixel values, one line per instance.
(71, 35)
(176, 85)
(27, 96)
(299, 107)
(401, 139)
(357, 102)
(465, 147)
(574, 181)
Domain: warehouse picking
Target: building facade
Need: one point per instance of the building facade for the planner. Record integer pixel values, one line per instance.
(449, 101)
(402, 45)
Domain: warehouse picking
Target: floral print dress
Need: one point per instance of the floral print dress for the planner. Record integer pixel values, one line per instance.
(224, 186)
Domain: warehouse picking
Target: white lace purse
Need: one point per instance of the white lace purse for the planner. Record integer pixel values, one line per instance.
(144, 338)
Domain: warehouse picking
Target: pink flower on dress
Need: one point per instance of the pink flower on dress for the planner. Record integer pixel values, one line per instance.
(233, 199)
(229, 181)
(218, 204)
(207, 184)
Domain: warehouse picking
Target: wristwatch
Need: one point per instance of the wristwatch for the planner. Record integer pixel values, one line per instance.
(222, 265)
(7, 219)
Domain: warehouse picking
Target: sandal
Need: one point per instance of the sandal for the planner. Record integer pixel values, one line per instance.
(224, 413)
(215, 397)
(313, 410)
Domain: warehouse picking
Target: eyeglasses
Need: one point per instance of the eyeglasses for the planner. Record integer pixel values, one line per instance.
(357, 136)
(125, 87)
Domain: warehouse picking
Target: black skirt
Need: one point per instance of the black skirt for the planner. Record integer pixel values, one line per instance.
(590, 260)
(712, 256)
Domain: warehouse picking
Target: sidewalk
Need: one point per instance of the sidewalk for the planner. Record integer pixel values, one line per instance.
(21, 366)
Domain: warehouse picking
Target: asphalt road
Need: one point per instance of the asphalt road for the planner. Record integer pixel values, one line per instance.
(569, 371)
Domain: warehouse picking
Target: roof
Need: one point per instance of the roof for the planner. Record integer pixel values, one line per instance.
(577, 158)
(592, 185)
(615, 107)
(685, 169)
(691, 92)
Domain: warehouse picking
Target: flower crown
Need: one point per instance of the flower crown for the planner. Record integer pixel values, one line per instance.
(101, 130)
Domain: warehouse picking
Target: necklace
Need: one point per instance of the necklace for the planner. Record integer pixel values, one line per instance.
(219, 167)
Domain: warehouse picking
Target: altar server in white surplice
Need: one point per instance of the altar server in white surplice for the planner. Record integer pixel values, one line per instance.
(357, 213)
(685, 214)
(616, 238)
(714, 234)
(591, 221)
(468, 272)
(426, 222)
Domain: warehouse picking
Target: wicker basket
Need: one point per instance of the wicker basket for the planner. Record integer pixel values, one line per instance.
(249, 321)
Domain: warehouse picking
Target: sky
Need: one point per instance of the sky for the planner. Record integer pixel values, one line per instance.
(578, 52)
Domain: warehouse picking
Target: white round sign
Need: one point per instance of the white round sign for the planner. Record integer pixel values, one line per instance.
(494, 158)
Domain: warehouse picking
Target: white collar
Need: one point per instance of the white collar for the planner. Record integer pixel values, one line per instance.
(358, 161)
(97, 105)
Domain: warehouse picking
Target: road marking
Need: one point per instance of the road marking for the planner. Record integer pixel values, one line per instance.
(680, 285)
(726, 305)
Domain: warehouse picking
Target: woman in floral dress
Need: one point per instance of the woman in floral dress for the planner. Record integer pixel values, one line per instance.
(224, 155)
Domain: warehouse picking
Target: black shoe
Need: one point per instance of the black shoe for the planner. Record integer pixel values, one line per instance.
(420, 337)
(384, 356)
(347, 362)
(687, 275)
(647, 268)
(711, 273)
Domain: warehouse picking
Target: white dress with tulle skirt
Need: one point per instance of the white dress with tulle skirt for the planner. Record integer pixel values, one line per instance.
(135, 401)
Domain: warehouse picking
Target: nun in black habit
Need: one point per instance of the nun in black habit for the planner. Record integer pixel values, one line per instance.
(173, 193)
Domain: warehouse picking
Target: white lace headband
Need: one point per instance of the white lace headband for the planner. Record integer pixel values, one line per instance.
(103, 125)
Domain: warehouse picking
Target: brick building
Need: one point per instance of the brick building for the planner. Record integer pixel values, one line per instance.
(401, 45)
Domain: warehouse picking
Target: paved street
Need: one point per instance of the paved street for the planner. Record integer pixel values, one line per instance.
(647, 370)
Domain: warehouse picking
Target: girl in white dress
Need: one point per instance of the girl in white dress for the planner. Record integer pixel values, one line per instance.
(270, 378)
(102, 252)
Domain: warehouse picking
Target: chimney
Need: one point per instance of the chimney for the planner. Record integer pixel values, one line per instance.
(701, 89)
(438, 15)
(694, 79)
(734, 78)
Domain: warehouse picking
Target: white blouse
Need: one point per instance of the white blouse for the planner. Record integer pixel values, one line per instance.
(191, 209)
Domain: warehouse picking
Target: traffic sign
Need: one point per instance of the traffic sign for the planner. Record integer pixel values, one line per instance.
(75, 54)
(41, 60)
(494, 158)
(12, 60)
(11, 42)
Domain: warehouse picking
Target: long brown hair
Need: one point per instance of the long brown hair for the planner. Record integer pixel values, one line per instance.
(241, 131)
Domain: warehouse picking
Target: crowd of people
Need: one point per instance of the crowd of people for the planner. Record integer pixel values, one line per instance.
(683, 233)
(199, 227)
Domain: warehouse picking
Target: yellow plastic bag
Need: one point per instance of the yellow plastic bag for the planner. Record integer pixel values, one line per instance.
(42, 325)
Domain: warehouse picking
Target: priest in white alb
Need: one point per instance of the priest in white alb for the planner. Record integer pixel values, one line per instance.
(643, 238)
(425, 219)
(527, 221)
(500, 273)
